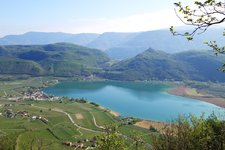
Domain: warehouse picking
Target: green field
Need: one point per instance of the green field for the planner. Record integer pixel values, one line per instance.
(11, 87)
(28, 132)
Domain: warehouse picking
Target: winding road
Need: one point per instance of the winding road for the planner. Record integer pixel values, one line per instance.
(101, 127)
(73, 122)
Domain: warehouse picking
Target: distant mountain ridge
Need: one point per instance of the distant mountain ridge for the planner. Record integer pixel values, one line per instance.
(40, 38)
(121, 45)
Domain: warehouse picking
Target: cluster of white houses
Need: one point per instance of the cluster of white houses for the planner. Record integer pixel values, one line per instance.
(43, 119)
(38, 95)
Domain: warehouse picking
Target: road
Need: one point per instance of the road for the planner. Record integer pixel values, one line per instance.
(71, 119)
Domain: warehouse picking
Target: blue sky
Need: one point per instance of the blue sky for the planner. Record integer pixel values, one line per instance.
(77, 16)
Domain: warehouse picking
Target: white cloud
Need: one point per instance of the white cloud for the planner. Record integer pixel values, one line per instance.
(140, 22)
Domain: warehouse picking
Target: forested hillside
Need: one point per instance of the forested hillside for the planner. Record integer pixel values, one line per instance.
(69, 60)
(59, 59)
(158, 65)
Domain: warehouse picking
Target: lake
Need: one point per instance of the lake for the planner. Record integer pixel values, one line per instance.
(136, 99)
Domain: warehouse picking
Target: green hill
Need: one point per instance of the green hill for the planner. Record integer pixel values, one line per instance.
(61, 59)
(69, 60)
(158, 65)
(204, 65)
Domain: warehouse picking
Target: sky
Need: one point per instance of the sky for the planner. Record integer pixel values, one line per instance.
(86, 16)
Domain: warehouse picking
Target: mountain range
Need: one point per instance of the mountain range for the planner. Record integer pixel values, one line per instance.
(70, 60)
(121, 45)
(41, 38)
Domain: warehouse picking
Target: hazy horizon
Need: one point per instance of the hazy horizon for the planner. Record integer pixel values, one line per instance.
(83, 16)
(22, 33)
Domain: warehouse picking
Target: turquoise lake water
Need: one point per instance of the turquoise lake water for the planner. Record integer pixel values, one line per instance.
(136, 99)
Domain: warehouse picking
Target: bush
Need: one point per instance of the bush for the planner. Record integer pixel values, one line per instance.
(192, 134)
(152, 129)
(95, 104)
(111, 140)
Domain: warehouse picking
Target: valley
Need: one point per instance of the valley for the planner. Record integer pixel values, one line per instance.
(112, 75)
(65, 96)
(76, 120)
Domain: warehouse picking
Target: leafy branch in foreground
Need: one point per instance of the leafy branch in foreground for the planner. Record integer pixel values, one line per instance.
(201, 16)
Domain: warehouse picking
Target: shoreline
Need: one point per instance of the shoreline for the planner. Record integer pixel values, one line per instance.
(147, 124)
(114, 113)
(192, 93)
(180, 90)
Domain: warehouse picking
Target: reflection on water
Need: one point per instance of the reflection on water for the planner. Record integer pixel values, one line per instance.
(143, 100)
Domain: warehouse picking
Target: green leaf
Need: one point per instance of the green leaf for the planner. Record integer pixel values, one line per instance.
(189, 38)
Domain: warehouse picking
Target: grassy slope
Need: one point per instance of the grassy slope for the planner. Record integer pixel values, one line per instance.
(60, 126)
(59, 129)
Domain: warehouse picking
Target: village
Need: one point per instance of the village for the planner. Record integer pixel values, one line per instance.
(9, 113)
(37, 95)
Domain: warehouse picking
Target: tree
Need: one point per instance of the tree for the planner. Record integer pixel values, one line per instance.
(202, 16)
(111, 140)
(138, 141)
(192, 134)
